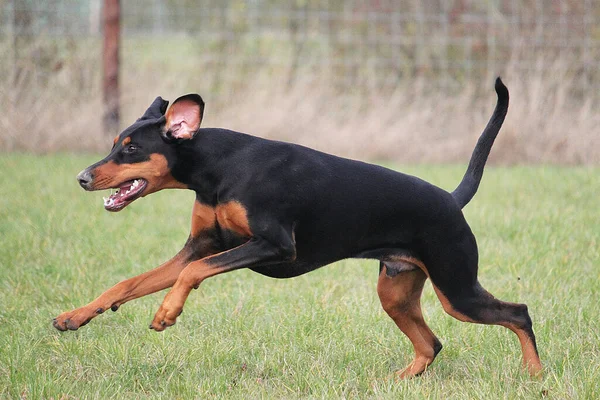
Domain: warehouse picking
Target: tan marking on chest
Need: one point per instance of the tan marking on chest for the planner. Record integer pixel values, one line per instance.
(203, 217)
(234, 216)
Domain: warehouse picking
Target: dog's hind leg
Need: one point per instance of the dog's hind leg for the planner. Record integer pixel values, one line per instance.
(399, 288)
(453, 272)
(477, 305)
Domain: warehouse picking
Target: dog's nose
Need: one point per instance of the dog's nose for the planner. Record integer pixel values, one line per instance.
(85, 179)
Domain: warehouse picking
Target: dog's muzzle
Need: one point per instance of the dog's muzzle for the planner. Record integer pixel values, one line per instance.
(85, 179)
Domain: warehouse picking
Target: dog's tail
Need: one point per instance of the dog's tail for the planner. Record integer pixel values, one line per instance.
(470, 182)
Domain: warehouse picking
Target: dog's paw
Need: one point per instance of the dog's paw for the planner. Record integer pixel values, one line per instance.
(75, 319)
(171, 307)
(164, 318)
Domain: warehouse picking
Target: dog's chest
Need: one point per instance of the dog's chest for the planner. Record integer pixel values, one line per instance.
(231, 216)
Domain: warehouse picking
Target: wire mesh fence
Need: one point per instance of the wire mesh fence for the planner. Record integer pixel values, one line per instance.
(373, 47)
(374, 43)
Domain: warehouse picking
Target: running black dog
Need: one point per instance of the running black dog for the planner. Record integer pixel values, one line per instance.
(283, 210)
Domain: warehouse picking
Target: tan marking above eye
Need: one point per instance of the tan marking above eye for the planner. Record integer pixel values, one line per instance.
(126, 141)
(116, 139)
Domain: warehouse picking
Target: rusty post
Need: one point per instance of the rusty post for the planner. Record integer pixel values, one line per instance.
(111, 15)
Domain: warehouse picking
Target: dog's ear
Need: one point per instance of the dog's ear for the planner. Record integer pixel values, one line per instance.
(184, 117)
(156, 110)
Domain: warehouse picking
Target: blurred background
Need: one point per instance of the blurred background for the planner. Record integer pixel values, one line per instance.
(400, 81)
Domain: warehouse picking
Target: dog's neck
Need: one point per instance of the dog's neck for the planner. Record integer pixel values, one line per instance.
(203, 162)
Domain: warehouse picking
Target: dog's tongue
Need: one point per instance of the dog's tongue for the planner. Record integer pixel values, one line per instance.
(125, 187)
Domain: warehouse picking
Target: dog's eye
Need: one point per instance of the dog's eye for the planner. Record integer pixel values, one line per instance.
(130, 149)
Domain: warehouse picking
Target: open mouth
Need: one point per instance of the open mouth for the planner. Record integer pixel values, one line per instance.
(126, 193)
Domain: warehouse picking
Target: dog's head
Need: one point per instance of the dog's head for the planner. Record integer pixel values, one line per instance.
(142, 156)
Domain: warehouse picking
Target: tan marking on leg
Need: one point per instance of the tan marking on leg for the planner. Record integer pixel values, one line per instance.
(531, 359)
(152, 281)
(449, 308)
(193, 275)
(400, 297)
(443, 299)
(252, 252)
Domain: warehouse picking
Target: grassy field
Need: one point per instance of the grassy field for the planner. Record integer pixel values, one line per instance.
(323, 335)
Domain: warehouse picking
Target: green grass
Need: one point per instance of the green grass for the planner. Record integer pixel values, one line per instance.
(322, 335)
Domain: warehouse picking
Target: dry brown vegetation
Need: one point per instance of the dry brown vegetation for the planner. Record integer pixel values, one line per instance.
(54, 105)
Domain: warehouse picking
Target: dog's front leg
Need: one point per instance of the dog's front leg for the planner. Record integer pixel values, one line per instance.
(152, 281)
(255, 251)
(199, 244)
